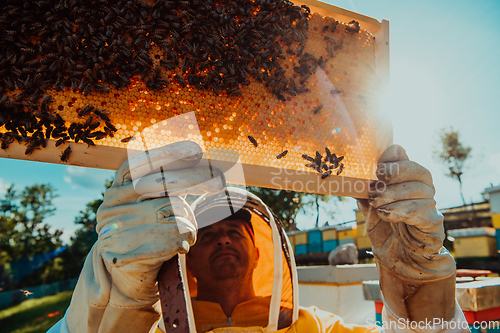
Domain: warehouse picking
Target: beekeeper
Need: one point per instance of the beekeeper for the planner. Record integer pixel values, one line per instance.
(240, 270)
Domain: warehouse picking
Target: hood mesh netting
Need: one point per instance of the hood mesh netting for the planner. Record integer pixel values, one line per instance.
(263, 276)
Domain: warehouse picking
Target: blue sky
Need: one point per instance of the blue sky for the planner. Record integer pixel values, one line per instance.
(445, 72)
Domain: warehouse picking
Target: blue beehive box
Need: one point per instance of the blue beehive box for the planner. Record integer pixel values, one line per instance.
(330, 245)
(497, 235)
(315, 248)
(314, 236)
(315, 239)
(300, 249)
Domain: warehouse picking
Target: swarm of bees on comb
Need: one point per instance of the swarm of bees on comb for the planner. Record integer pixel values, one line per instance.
(100, 72)
(325, 167)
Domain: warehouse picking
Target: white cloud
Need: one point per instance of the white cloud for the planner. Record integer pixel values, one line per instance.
(494, 161)
(86, 178)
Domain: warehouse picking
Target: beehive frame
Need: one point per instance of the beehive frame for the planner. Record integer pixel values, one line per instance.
(106, 157)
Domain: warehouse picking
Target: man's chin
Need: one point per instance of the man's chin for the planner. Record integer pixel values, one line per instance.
(225, 271)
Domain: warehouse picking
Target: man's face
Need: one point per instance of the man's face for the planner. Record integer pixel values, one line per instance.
(223, 250)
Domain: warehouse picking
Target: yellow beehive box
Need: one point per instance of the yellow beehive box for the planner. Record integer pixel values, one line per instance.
(363, 242)
(361, 230)
(474, 242)
(359, 217)
(347, 233)
(291, 237)
(301, 238)
(475, 247)
(270, 97)
(495, 219)
(329, 234)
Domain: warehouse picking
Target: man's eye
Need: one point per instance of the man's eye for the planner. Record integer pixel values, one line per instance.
(206, 235)
(235, 232)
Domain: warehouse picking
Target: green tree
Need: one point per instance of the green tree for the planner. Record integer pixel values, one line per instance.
(22, 231)
(287, 204)
(21, 221)
(454, 155)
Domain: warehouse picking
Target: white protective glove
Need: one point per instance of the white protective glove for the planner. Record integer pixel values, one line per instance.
(416, 273)
(139, 229)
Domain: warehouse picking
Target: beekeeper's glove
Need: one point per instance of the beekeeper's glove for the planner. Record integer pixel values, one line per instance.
(139, 229)
(416, 273)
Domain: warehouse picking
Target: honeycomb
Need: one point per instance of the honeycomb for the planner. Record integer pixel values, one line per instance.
(265, 83)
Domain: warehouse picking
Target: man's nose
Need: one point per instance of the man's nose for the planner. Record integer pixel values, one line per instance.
(223, 239)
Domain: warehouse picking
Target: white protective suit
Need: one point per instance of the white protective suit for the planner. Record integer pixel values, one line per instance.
(101, 304)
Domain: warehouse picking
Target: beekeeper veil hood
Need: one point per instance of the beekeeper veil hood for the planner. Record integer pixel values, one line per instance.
(274, 278)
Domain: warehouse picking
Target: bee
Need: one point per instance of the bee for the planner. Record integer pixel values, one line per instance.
(329, 40)
(341, 167)
(322, 62)
(300, 50)
(335, 91)
(180, 80)
(85, 111)
(283, 154)
(72, 129)
(318, 158)
(88, 122)
(329, 49)
(60, 142)
(46, 99)
(31, 148)
(130, 138)
(26, 292)
(304, 79)
(97, 135)
(352, 27)
(281, 98)
(334, 26)
(48, 131)
(309, 158)
(110, 126)
(326, 174)
(93, 126)
(109, 132)
(317, 109)
(101, 114)
(65, 155)
(253, 141)
(88, 142)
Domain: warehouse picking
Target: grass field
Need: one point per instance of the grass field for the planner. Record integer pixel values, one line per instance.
(34, 315)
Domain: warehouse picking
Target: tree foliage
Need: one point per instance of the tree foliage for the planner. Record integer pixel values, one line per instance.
(23, 233)
(287, 204)
(454, 155)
